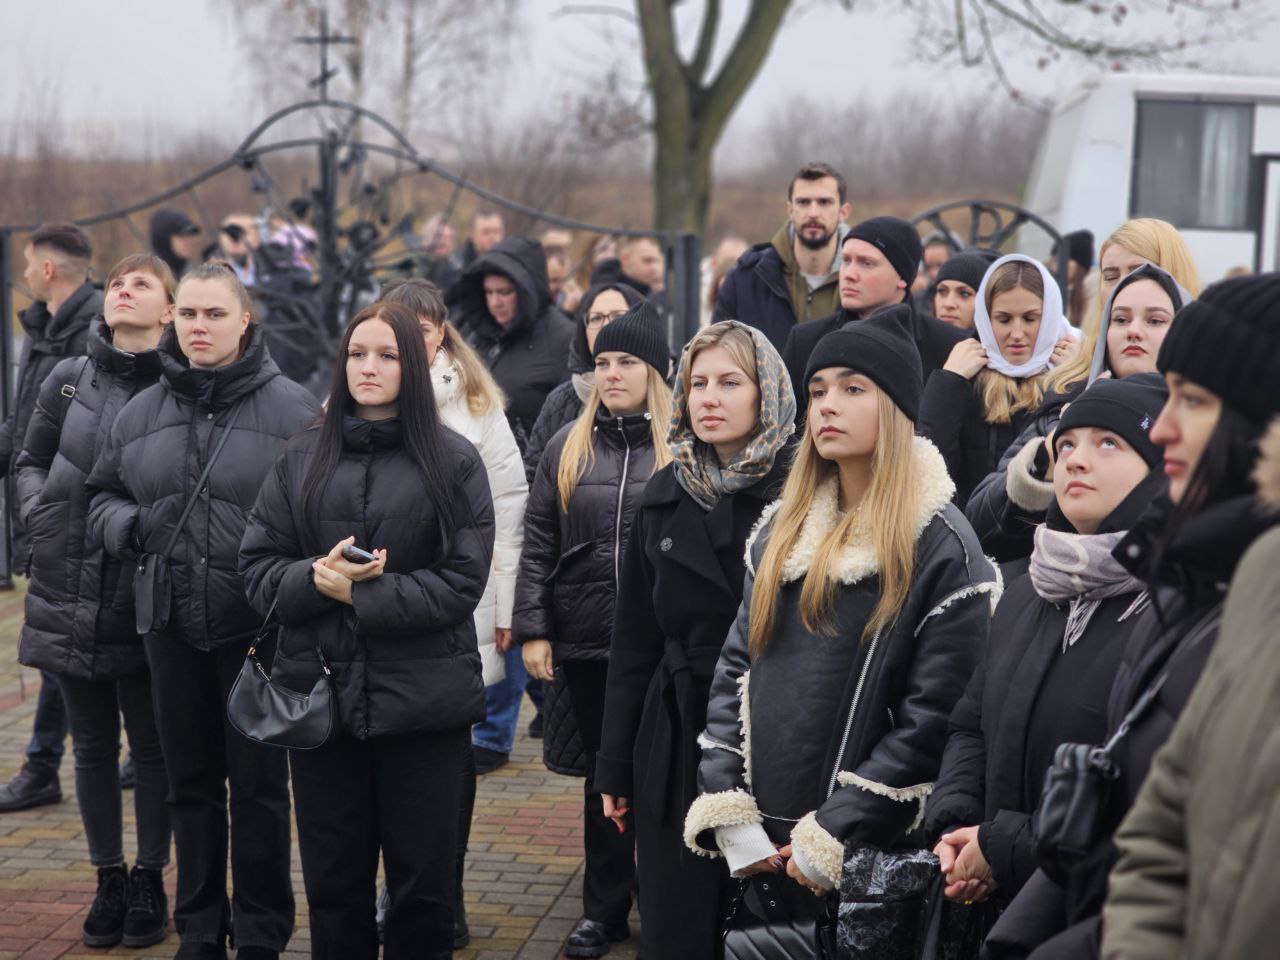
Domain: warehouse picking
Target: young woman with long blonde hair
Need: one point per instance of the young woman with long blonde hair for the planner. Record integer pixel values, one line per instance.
(991, 387)
(586, 490)
(864, 612)
(1008, 504)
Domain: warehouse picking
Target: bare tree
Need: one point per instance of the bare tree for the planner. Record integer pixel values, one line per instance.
(689, 104)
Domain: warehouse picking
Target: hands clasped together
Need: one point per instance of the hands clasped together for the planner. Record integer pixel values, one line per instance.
(968, 874)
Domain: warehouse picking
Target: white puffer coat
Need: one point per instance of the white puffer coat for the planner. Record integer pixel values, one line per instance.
(491, 435)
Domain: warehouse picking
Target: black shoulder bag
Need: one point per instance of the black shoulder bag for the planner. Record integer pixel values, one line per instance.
(1071, 819)
(152, 586)
(273, 714)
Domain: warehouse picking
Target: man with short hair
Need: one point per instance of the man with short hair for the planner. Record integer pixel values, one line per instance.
(792, 278)
(486, 230)
(879, 259)
(643, 265)
(64, 303)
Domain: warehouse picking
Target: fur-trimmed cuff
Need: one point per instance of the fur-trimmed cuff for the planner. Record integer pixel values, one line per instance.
(919, 793)
(1026, 490)
(728, 808)
(818, 854)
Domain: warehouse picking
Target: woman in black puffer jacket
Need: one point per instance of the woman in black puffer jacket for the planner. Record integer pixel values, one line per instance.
(79, 606)
(216, 375)
(588, 486)
(381, 472)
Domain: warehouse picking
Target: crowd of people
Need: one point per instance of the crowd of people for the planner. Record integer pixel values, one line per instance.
(911, 608)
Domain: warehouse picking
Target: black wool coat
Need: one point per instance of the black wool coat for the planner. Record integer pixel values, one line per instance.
(157, 450)
(572, 561)
(530, 355)
(681, 587)
(951, 416)
(403, 653)
(934, 339)
(79, 604)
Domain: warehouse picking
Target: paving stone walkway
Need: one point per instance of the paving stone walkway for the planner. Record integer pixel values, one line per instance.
(524, 871)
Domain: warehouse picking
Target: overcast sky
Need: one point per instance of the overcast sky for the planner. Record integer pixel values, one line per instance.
(140, 72)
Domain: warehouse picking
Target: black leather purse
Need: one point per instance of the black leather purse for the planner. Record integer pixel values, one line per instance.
(152, 585)
(273, 714)
(1070, 821)
(774, 918)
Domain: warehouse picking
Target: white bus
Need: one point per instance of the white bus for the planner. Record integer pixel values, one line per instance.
(1201, 151)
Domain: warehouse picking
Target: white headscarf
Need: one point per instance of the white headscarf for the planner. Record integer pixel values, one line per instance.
(1053, 323)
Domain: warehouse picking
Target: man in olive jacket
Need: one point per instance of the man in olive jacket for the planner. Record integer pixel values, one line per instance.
(1196, 875)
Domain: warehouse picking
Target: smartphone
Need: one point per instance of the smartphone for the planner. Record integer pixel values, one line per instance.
(355, 555)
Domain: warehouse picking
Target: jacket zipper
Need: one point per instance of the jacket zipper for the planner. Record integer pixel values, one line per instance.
(853, 710)
(622, 489)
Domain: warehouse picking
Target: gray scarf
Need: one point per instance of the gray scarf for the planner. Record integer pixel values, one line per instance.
(1079, 568)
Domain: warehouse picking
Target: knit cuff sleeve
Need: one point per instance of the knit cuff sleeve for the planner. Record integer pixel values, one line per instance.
(743, 845)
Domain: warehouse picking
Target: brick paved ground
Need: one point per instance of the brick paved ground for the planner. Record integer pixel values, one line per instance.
(524, 873)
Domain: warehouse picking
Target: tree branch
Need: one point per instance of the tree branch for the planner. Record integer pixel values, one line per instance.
(750, 48)
(706, 41)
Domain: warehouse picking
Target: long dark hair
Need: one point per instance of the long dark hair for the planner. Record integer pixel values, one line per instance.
(1224, 472)
(421, 430)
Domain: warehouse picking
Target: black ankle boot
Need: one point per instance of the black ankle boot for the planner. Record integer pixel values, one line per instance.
(104, 926)
(592, 938)
(147, 920)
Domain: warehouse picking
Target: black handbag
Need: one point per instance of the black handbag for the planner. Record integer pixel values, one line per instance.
(273, 714)
(774, 918)
(152, 586)
(1070, 821)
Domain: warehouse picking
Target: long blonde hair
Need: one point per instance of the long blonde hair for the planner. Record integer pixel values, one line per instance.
(1003, 395)
(887, 514)
(474, 379)
(1154, 240)
(578, 454)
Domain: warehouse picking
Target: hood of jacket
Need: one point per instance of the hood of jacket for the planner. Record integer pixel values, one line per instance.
(858, 560)
(580, 360)
(76, 313)
(142, 365)
(1148, 271)
(221, 387)
(523, 262)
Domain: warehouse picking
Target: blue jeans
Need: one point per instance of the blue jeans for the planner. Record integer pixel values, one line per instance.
(49, 726)
(502, 705)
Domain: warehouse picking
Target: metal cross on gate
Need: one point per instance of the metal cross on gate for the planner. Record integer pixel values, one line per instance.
(324, 40)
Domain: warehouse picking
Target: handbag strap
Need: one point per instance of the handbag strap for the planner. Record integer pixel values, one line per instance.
(1140, 707)
(204, 477)
(262, 632)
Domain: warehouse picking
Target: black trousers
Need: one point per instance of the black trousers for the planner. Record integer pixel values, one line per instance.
(398, 796)
(684, 898)
(94, 708)
(610, 855)
(202, 754)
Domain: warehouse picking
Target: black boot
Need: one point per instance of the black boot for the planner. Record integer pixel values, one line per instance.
(461, 932)
(33, 786)
(256, 953)
(147, 920)
(591, 938)
(104, 925)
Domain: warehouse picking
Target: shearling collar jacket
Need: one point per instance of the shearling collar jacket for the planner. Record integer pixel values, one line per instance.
(831, 739)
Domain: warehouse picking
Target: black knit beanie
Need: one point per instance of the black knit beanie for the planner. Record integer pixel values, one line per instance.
(1228, 342)
(880, 347)
(1127, 407)
(967, 267)
(639, 333)
(897, 240)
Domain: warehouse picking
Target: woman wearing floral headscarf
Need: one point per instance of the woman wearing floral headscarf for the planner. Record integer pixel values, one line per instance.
(733, 413)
